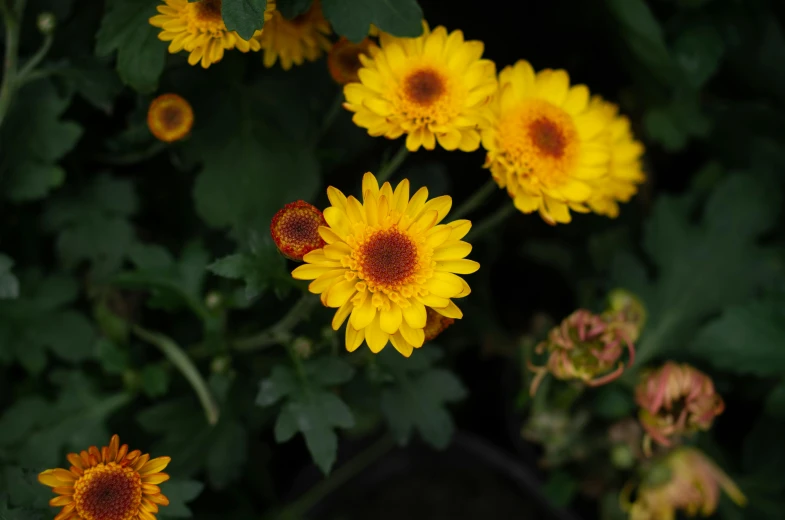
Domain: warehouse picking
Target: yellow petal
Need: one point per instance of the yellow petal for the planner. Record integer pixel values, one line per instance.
(415, 315)
(324, 281)
(340, 293)
(390, 320)
(450, 311)
(464, 266)
(310, 271)
(401, 196)
(375, 337)
(363, 314)
(341, 314)
(370, 184)
(437, 235)
(155, 478)
(401, 345)
(453, 250)
(354, 337)
(460, 228)
(415, 337)
(61, 500)
(155, 466)
(47, 478)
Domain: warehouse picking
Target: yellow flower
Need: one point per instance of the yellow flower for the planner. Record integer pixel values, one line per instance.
(432, 88)
(170, 117)
(386, 261)
(547, 143)
(343, 60)
(294, 41)
(110, 484)
(625, 170)
(198, 28)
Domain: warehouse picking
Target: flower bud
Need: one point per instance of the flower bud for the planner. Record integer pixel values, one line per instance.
(343, 59)
(435, 324)
(303, 347)
(675, 400)
(46, 23)
(586, 347)
(626, 311)
(295, 230)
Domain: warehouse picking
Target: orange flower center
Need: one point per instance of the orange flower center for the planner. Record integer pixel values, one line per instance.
(295, 229)
(388, 258)
(424, 87)
(171, 117)
(209, 10)
(108, 492)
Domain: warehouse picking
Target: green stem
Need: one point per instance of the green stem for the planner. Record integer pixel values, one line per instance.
(332, 113)
(339, 477)
(133, 157)
(389, 168)
(476, 200)
(175, 354)
(33, 62)
(12, 17)
(491, 221)
(280, 332)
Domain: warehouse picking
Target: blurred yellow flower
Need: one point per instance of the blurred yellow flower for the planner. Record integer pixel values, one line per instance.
(170, 117)
(293, 41)
(625, 170)
(199, 29)
(386, 261)
(686, 480)
(432, 88)
(110, 484)
(547, 143)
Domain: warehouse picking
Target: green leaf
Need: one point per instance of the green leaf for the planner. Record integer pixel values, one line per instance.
(703, 268)
(154, 380)
(7, 513)
(95, 82)
(21, 418)
(352, 18)
(417, 399)
(243, 16)
(560, 488)
(9, 284)
(292, 8)
(179, 493)
(698, 50)
(92, 224)
(68, 335)
(113, 359)
(227, 455)
(308, 407)
(775, 402)
(126, 29)
(261, 268)
(33, 138)
(673, 125)
(746, 339)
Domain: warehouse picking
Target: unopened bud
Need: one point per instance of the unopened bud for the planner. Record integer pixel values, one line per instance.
(213, 300)
(46, 23)
(303, 347)
(622, 456)
(220, 364)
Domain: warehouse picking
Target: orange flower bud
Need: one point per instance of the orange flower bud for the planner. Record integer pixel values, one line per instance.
(435, 324)
(170, 117)
(295, 229)
(343, 60)
(676, 400)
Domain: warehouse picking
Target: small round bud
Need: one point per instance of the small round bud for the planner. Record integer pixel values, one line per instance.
(220, 364)
(622, 456)
(213, 300)
(303, 347)
(295, 230)
(46, 23)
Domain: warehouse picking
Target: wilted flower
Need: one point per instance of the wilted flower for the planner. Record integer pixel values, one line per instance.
(676, 399)
(686, 480)
(587, 347)
(295, 229)
(435, 324)
(108, 484)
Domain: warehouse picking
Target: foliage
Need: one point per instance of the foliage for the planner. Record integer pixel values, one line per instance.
(141, 294)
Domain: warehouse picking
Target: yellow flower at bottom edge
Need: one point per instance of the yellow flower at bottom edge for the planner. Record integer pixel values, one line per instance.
(199, 29)
(547, 143)
(386, 261)
(110, 484)
(293, 41)
(434, 88)
(625, 169)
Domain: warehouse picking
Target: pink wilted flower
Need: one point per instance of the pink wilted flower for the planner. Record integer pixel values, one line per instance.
(586, 347)
(685, 480)
(676, 399)
(627, 311)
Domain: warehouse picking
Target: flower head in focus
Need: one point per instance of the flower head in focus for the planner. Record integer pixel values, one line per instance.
(294, 41)
(433, 88)
(343, 60)
(675, 400)
(685, 480)
(108, 484)
(295, 229)
(199, 29)
(586, 347)
(547, 145)
(170, 117)
(625, 169)
(386, 261)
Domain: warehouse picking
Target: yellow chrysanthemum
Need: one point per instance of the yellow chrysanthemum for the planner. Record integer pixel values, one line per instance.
(625, 169)
(547, 143)
(198, 28)
(386, 261)
(296, 40)
(170, 117)
(110, 484)
(433, 88)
